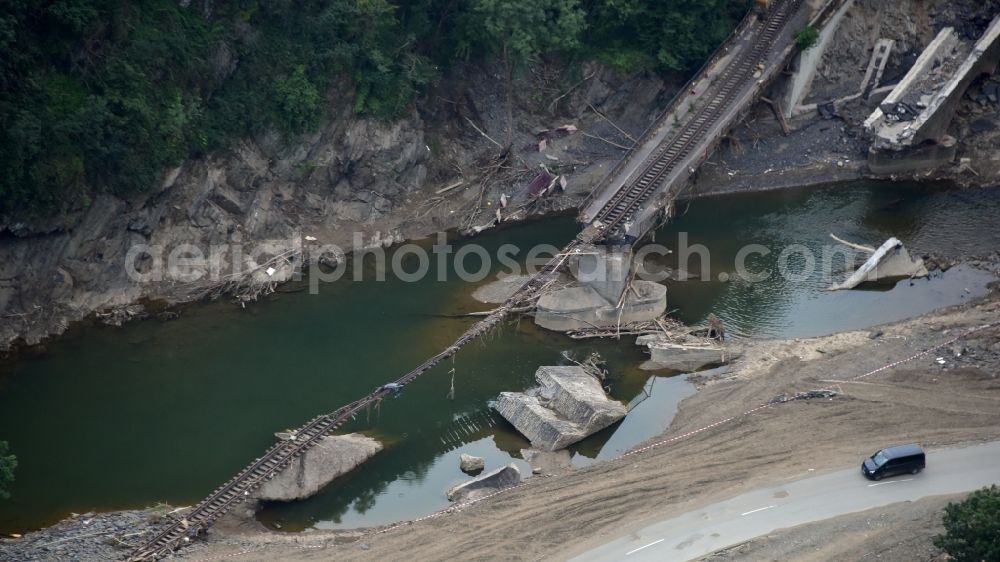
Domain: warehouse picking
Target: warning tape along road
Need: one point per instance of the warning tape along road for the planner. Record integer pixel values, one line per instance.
(675, 438)
(964, 334)
(699, 430)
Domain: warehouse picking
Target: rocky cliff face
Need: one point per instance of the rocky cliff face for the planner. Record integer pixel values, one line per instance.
(378, 179)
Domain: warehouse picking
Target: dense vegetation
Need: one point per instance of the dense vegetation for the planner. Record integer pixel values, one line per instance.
(102, 95)
(8, 463)
(972, 527)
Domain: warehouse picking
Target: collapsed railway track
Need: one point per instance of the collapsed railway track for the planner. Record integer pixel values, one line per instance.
(626, 201)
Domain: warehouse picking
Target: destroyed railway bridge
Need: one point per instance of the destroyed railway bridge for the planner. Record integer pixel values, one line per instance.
(637, 190)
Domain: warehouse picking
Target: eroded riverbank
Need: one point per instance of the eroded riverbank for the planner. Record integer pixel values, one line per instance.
(292, 351)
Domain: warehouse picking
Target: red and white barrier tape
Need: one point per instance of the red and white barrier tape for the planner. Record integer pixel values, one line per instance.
(927, 351)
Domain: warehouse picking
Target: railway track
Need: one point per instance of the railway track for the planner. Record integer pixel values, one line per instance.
(620, 207)
(671, 152)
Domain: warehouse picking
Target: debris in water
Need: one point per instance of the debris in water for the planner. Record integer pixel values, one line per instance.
(889, 261)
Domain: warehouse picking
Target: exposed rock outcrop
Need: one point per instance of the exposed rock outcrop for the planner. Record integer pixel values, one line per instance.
(352, 175)
(568, 406)
(491, 482)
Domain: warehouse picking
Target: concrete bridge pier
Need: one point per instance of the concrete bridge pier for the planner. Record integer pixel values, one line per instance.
(604, 295)
(909, 128)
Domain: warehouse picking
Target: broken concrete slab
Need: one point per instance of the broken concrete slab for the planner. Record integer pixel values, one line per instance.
(889, 261)
(547, 462)
(568, 406)
(568, 309)
(665, 354)
(332, 457)
(489, 483)
(916, 114)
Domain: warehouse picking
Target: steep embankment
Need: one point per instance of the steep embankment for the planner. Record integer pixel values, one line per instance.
(314, 119)
(357, 176)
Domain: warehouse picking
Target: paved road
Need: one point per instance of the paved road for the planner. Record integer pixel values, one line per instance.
(762, 511)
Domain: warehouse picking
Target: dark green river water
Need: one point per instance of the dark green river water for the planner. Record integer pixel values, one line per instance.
(107, 418)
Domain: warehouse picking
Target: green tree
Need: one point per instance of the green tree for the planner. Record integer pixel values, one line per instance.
(298, 101)
(8, 463)
(525, 28)
(972, 527)
(103, 95)
(519, 29)
(674, 36)
(807, 38)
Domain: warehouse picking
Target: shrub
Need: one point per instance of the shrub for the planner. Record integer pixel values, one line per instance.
(807, 38)
(972, 527)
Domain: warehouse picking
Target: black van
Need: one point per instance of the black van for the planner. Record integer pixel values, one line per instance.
(901, 459)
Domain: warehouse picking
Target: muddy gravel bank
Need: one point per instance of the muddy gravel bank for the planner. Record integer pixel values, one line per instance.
(89, 536)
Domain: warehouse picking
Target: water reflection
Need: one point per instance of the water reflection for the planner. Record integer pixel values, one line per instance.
(110, 418)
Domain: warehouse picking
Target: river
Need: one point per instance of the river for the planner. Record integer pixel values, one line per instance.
(109, 418)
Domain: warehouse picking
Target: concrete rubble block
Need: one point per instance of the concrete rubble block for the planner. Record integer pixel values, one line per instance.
(568, 406)
(471, 464)
(539, 424)
(603, 275)
(487, 484)
(569, 309)
(910, 125)
(578, 396)
(684, 357)
(547, 461)
(889, 261)
(333, 456)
